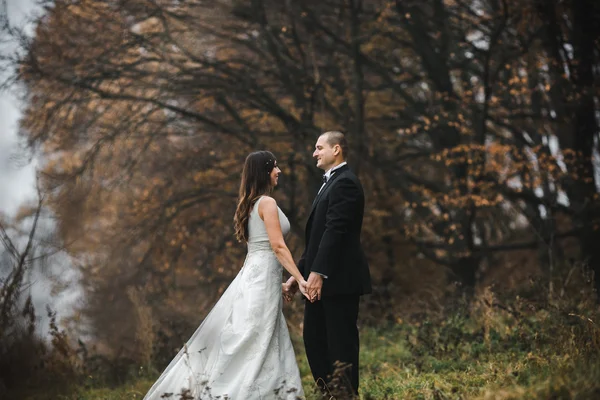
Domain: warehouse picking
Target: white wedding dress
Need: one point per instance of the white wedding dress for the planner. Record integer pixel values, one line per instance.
(242, 350)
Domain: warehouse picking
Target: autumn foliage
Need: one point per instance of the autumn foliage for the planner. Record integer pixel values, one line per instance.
(471, 126)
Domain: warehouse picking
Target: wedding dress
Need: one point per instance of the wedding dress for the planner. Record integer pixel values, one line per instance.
(242, 350)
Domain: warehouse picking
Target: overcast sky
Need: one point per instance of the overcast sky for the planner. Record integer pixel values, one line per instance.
(17, 178)
(17, 185)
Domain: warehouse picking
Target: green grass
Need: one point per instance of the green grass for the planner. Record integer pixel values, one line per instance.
(132, 390)
(453, 359)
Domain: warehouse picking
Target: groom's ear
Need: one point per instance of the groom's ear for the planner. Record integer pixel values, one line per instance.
(337, 149)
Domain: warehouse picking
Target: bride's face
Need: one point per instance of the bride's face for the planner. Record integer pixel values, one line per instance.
(275, 175)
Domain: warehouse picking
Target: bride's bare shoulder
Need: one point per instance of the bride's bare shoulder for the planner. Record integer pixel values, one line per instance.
(267, 204)
(267, 201)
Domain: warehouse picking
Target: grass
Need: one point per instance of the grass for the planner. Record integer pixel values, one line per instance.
(390, 370)
(489, 354)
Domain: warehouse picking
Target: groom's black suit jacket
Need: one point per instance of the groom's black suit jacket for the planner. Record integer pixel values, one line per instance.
(333, 236)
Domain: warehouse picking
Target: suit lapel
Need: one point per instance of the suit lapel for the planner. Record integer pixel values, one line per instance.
(333, 177)
(318, 196)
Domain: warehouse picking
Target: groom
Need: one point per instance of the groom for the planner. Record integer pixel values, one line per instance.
(335, 267)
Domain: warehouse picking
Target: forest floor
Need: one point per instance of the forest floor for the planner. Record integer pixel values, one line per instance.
(489, 353)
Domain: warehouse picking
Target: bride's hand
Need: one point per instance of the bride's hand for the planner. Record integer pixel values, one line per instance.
(302, 286)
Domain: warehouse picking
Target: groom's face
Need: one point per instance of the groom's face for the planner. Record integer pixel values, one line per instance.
(325, 154)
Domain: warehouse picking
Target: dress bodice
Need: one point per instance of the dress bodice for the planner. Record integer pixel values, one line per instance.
(257, 231)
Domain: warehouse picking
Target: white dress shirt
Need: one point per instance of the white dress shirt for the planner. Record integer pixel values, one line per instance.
(327, 174)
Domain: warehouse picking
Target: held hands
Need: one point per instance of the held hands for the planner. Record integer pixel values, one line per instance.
(302, 284)
(314, 286)
(290, 288)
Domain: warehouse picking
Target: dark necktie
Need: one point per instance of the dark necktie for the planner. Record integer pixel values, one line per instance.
(324, 178)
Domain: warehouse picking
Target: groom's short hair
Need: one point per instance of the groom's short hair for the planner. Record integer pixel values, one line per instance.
(337, 137)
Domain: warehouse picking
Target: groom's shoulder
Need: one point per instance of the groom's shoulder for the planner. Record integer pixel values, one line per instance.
(349, 174)
(348, 180)
(351, 181)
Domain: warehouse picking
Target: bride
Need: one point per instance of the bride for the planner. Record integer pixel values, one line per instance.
(242, 350)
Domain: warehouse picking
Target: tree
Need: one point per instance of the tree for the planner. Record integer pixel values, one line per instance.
(573, 53)
(146, 110)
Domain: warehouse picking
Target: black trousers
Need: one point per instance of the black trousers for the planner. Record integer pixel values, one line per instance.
(330, 335)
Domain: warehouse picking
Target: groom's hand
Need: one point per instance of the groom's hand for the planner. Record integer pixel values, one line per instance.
(313, 286)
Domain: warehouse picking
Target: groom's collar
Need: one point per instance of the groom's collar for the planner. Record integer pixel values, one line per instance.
(327, 174)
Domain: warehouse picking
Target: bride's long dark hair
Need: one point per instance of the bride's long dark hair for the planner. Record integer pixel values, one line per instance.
(256, 181)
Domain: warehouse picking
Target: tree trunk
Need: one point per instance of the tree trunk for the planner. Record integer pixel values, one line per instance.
(586, 26)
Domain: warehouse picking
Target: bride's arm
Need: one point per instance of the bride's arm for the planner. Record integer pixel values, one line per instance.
(291, 283)
(267, 210)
